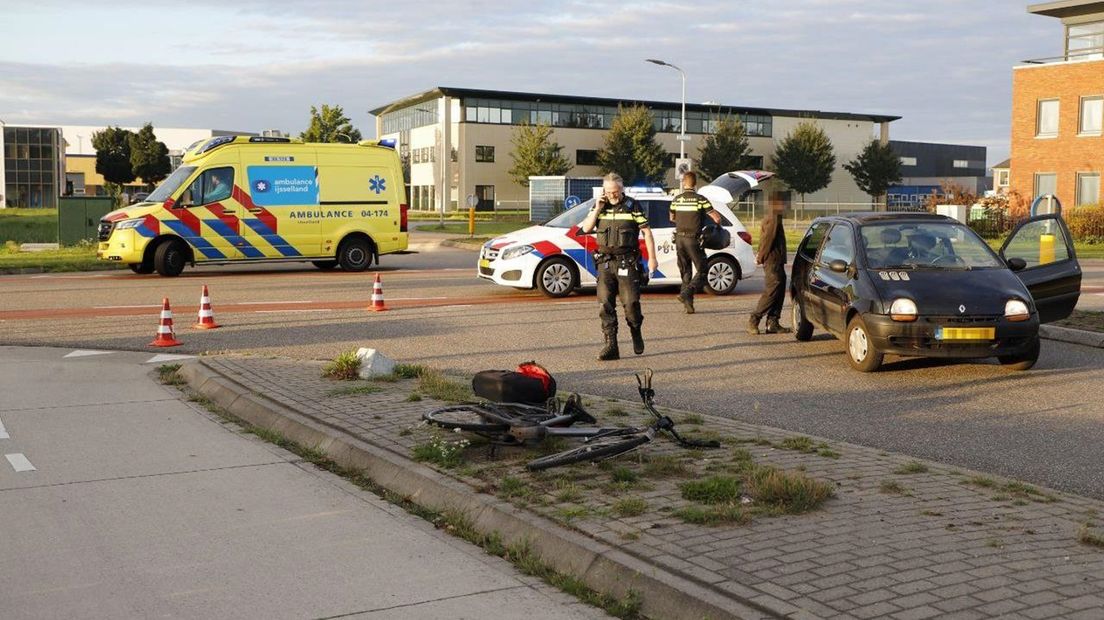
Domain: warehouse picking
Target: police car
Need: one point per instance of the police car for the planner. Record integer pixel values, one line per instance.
(556, 257)
(916, 284)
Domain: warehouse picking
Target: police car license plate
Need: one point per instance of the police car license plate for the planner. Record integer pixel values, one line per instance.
(484, 263)
(965, 333)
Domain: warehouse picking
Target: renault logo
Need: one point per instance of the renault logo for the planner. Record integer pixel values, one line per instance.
(961, 308)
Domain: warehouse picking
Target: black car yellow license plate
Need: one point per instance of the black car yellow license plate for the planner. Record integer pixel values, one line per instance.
(965, 333)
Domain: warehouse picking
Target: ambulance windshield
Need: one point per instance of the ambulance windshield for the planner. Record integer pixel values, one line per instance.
(572, 217)
(171, 184)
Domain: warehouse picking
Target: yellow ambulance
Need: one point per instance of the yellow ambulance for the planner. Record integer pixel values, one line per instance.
(261, 199)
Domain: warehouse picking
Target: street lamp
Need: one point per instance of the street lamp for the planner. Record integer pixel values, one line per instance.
(682, 125)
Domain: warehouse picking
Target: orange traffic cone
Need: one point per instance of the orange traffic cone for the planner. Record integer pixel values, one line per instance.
(206, 315)
(377, 296)
(165, 335)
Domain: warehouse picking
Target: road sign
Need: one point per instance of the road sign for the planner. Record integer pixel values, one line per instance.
(682, 166)
(473, 202)
(571, 201)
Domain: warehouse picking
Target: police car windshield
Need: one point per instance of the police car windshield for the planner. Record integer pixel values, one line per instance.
(572, 217)
(171, 184)
(925, 245)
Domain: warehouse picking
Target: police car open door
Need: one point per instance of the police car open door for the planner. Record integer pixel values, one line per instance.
(1049, 269)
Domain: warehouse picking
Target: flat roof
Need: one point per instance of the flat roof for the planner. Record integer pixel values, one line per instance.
(1066, 8)
(450, 91)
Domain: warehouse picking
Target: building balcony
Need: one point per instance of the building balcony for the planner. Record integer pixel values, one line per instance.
(1084, 55)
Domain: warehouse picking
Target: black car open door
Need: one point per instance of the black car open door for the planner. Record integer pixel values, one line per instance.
(1050, 269)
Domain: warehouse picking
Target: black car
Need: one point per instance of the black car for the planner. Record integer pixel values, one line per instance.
(916, 284)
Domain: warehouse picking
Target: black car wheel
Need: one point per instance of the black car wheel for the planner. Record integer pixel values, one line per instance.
(802, 328)
(354, 255)
(1023, 361)
(721, 275)
(861, 352)
(170, 258)
(556, 278)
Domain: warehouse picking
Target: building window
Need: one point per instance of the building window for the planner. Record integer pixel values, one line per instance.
(1092, 116)
(1088, 188)
(584, 157)
(1085, 40)
(960, 163)
(1002, 178)
(485, 194)
(484, 153)
(1046, 125)
(1045, 183)
(908, 161)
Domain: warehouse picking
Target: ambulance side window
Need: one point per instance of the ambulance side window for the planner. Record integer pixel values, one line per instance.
(217, 184)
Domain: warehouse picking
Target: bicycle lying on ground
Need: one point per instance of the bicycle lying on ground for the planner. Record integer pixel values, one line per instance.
(517, 424)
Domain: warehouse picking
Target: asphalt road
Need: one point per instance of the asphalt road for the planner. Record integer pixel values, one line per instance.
(1045, 426)
(118, 500)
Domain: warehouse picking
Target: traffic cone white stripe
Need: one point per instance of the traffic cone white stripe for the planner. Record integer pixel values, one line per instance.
(165, 336)
(377, 296)
(166, 314)
(206, 314)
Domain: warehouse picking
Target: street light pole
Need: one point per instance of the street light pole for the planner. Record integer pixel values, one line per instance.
(682, 122)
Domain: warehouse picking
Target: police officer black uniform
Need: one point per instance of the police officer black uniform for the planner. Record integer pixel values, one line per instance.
(618, 221)
(688, 211)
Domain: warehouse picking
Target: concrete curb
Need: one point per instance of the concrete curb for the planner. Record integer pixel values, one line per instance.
(600, 566)
(463, 245)
(1074, 336)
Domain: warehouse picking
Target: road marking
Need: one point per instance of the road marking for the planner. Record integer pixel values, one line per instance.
(117, 307)
(19, 462)
(87, 353)
(275, 303)
(167, 357)
(3, 431)
(295, 310)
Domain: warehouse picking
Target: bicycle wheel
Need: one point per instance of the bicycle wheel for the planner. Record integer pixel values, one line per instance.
(471, 418)
(588, 452)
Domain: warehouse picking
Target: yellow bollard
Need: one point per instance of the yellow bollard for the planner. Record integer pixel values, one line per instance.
(471, 221)
(1046, 249)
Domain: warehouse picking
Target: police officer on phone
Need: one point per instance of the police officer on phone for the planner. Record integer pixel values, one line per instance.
(618, 220)
(688, 211)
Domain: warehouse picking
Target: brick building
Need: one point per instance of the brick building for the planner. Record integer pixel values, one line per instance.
(1058, 110)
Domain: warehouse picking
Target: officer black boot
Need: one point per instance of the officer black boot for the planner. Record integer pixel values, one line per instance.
(610, 351)
(753, 325)
(773, 326)
(638, 340)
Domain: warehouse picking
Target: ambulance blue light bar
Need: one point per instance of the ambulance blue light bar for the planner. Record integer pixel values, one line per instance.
(389, 143)
(214, 143)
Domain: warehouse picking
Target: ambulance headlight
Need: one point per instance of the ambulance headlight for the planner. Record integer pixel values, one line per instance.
(516, 251)
(125, 224)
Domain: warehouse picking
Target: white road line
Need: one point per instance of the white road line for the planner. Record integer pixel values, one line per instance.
(19, 462)
(254, 303)
(87, 353)
(167, 357)
(293, 310)
(457, 306)
(3, 431)
(122, 307)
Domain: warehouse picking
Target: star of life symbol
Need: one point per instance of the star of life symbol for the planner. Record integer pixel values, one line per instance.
(261, 186)
(377, 184)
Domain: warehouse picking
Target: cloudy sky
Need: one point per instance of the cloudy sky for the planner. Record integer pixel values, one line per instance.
(943, 65)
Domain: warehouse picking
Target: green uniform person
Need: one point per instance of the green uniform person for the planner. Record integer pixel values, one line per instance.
(618, 221)
(688, 211)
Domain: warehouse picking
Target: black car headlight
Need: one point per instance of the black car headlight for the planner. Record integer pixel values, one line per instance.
(903, 309)
(1016, 310)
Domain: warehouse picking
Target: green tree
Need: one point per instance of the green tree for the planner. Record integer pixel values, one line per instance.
(631, 149)
(113, 158)
(804, 160)
(875, 169)
(330, 125)
(536, 154)
(149, 158)
(724, 150)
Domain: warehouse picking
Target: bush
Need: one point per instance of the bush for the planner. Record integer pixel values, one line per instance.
(345, 366)
(1086, 223)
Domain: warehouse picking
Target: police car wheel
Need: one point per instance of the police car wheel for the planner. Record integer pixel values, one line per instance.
(170, 258)
(556, 278)
(721, 275)
(354, 255)
(861, 352)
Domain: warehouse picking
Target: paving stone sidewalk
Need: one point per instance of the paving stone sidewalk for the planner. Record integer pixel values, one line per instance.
(900, 539)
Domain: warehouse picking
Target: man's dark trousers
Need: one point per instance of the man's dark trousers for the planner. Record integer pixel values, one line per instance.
(690, 253)
(774, 291)
(612, 286)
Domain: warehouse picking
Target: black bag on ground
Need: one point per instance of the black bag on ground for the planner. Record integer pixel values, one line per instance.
(713, 236)
(530, 384)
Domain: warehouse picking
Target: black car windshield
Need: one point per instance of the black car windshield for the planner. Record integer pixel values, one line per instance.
(925, 245)
(170, 185)
(572, 217)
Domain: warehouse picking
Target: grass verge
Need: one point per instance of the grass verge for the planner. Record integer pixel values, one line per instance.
(1084, 319)
(29, 225)
(52, 261)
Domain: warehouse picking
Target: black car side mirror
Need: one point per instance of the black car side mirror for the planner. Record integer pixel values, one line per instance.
(839, 265)
(1016, 264)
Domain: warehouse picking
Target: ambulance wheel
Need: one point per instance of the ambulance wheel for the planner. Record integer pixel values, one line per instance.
(324, 265)
(141, 268)
(354, 255)
(721, 275)
(170, 258)
(556, 278)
